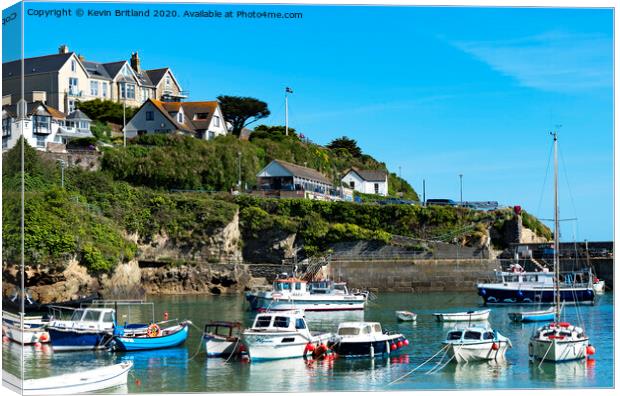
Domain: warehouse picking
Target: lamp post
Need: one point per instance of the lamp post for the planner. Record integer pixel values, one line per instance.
(286, 92)
(461, 183)
(124, 124)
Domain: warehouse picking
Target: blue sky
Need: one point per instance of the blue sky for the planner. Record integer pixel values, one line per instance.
(436, 91)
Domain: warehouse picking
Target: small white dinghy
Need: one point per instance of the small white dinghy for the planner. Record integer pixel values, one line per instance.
(469, 316)
(80, 382)
(476, 343)
(598, 285)
(406, 316)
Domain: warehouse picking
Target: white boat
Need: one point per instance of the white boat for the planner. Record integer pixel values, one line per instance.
(222, 339)
(292, 293)
(469, 316)
(558, 341)
(365, 339)
(79, 382)
(280, 335)
(599, 286)
(406, 316)
(31, 331)
(476, 343)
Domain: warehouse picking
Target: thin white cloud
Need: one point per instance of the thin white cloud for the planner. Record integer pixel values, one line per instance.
(552, 61)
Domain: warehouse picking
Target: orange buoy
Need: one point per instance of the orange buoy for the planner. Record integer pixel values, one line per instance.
(44, 337)
(393, 347)
(495, 347)
(399, 344)
(406, 342)
(590, 350)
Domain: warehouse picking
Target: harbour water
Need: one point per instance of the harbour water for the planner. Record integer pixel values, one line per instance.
(186, 368)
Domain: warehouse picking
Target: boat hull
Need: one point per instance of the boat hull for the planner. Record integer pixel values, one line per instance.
(599, 287)
(404, 316)
(478, 351)
(78, 340)
(220, 348)
(261, 303)
(363, 349)
(147, 343)
(500, 295)
(463, 316)
(80, 382)
(275, 346)
(527, 317)
(557, 350)
(28, 335)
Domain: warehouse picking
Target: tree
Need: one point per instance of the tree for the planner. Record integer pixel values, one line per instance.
(347, 144)
(275, 132)
(106, 110)
(241, 111)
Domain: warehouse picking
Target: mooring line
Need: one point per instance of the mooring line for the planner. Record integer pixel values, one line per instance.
(415, 369)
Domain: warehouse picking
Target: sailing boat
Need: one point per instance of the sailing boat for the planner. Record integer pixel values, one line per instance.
(558, 341)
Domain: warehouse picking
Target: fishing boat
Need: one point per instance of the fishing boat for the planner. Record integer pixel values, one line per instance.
(152, 336)
(222, 339)
(558, 341)
(476, 343)
(80, 382)
(365, 339)
(30, 330)
(406, 316)
(532, 316)
(280, 335)
(292, 293)
(87, 329)
(469, 316)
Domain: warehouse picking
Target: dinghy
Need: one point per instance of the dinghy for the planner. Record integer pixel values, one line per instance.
(406, 316)
(532, 316)
(598, 285)
(80, 382)
(222, 338)
(149, 337)
(31, 331)
(469, 316)
(476, 343)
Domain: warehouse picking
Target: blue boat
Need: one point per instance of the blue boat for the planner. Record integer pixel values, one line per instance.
(533, 316)
(148, 337)
(88, 329)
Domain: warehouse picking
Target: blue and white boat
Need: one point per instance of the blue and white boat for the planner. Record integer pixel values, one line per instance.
(88, 329)
(520, 287)
(146, 337)
(545, 315)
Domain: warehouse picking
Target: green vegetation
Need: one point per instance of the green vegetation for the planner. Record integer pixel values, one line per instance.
(535, 225)
(241, 111)
(106, 110)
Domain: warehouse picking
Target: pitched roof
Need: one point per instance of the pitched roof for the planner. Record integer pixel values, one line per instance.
(78, 115)
(38, 64)
(190, 109)
(31, 108)
(302, 171)
(96, 70)
(369, 174)
(114, 67)
(159, 105)
(144, 79)
(156, 74)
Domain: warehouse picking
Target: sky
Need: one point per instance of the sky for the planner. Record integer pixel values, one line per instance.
(434, 92)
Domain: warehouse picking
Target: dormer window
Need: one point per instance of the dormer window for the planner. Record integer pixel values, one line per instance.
(201, 116)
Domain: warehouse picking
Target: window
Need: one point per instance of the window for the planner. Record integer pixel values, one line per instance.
(41, 141)
(454, 335)
(281, 321)
(300, 324)
(131, 91)
(376, 328)
(104, 89)
(488, 335)
(73, 86)
(216, 121)
(263, 321)
(41, 124)
(180, 117)
(73, 65)
(71, 106)
(352, 184)
(167, 81)
(91, 316)
(201, 116)
(77, 314)
(376, 188)
(471, 335)
(6, 126)
(94, 88)
(108, 317)
(127, 91)
(211, 135)
(348, 331)
(297, 285)
(150, 116)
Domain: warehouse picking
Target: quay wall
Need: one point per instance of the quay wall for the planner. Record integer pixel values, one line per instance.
(413, 275)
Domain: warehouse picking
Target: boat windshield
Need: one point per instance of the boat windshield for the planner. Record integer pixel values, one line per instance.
(281, 321)
(263, 321)
(454, 335)
(91, 316)
(488, 335)
(471, 335)
(77, 314)
(348, 331)
(376, 328)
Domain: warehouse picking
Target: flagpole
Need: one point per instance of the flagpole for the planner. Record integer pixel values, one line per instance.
(286, 111)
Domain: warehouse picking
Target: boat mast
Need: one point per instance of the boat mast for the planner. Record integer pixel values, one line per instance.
(556, 227)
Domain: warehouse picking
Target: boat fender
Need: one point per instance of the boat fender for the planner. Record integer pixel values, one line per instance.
(393, 347)
(483, 292)
(494, 346)
(564, 324)
(245, 358)
(44, 337)
(399, 344)
(153, 330)
(406, 342)
(590, 350)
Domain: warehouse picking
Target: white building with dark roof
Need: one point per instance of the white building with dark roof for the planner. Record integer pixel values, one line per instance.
(367, 181)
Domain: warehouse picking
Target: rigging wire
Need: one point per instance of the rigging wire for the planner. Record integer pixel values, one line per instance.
(542, 190)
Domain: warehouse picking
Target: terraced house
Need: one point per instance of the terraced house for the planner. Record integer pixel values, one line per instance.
(61, 80)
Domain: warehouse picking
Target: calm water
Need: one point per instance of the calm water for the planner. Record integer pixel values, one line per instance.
(186, 369)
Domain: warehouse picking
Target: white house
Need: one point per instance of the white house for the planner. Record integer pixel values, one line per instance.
(282, 175)
(204, 120)
(367, 181)
(42, 124)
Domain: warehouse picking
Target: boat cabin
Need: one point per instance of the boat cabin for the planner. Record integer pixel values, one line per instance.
(471, 334)
(327, 287)
(223, 329)
(353, 329)
(89, 318)
(280, 321)
(289, 286)
(543, 278)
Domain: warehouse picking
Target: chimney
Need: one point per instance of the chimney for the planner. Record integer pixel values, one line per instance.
(63, 49)
(135, 61)
(81, 58)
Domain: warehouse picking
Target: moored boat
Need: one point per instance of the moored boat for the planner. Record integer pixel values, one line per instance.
(532, 316)
(29, 331)
(476, 343)
(292, 293)
(88, 329)
(406, 316)
(153, 336)
(222, 339)
(79, 382)
(598, 285)
(469, 316)
(280, 335)
(365, 339)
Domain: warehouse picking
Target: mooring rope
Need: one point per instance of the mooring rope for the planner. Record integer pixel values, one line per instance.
(545, 355)
(415, 369)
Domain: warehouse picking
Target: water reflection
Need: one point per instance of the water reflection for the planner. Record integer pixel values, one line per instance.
(570, 373)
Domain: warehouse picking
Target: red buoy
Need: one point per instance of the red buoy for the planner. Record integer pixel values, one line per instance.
(399, 344)
(590, 350)
(495, 347)
(406, 342)
(393, 347)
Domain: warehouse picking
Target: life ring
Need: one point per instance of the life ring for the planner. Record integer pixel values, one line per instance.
(153, 330)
